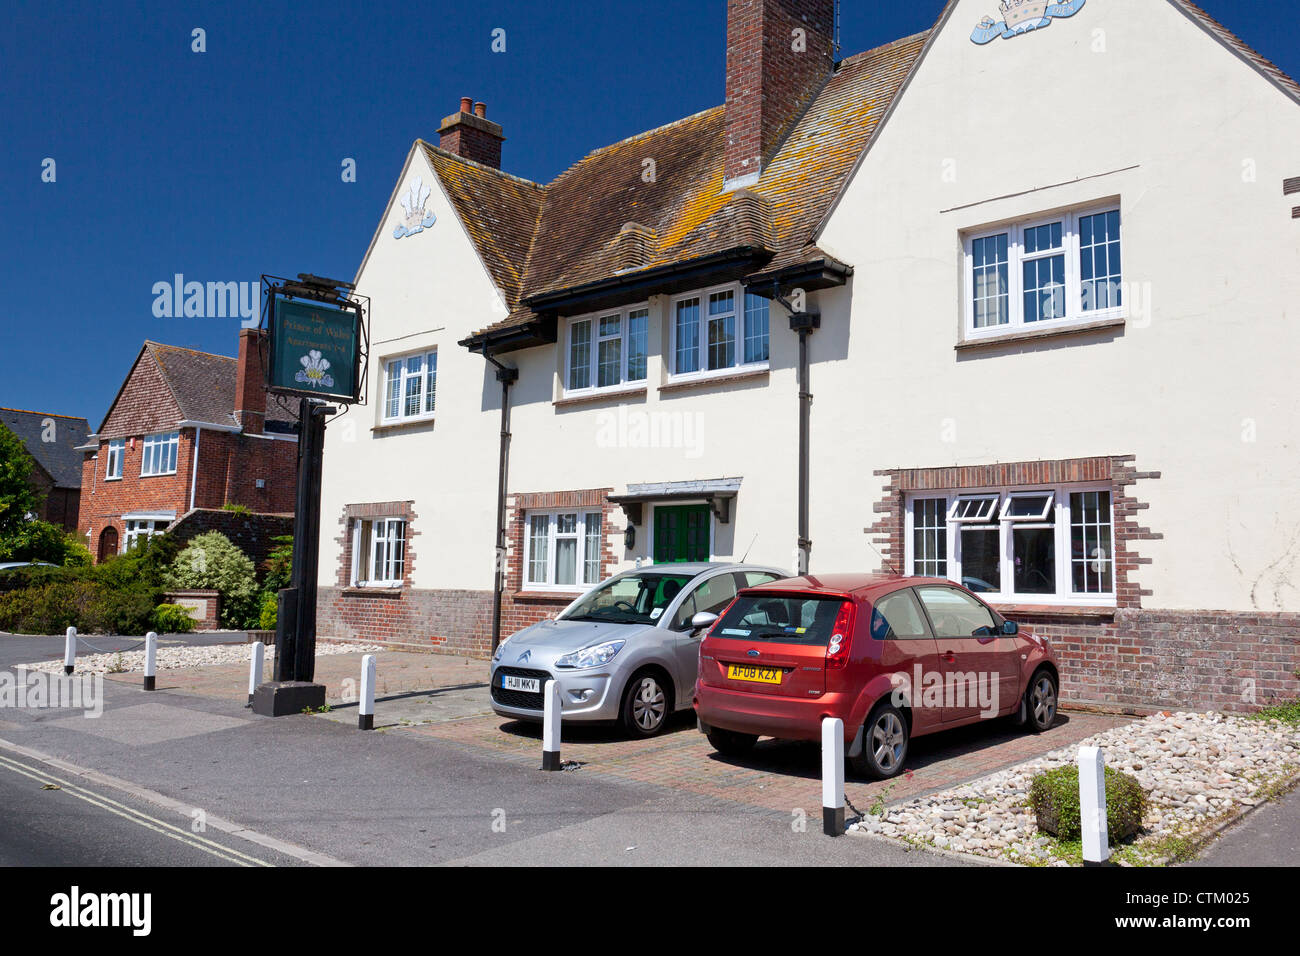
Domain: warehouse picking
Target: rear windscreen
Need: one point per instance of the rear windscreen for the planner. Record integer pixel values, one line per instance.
(787, 620)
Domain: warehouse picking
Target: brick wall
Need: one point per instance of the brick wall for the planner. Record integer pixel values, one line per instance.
(1126, 657)
(769, 83)
(104, 501)
(231, 464)
(453, 621)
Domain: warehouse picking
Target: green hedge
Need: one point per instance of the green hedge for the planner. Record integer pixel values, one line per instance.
(1054, 797)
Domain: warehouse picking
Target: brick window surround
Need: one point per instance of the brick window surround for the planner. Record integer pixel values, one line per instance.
(519, 504)
(375, 509)
(888, 532)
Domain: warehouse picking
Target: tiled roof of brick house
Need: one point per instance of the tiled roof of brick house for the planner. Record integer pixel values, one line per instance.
(58, 456)
(202, 385)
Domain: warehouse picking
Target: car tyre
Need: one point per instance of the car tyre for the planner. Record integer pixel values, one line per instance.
(1040, 701)
(885, 742)
(729, 743)
(647, 704)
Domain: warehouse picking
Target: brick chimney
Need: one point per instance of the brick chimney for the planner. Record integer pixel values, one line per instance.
(471, 134)
(250, 383)
(772, 72)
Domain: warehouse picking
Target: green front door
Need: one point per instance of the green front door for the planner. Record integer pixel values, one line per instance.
(681, 533)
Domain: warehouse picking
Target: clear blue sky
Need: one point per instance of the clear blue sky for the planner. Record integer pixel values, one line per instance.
(226, 164)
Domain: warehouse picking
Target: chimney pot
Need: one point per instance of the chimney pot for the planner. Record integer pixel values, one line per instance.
(480, 110)
(466, 104)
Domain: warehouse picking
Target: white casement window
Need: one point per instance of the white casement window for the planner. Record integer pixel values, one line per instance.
(1021, 545)
(1050, 272)
(379, 552)
(137, 528)
(159, 455)
(562, 549)
(410, 387)
(116, 451)
(606, 350)
(717, 331)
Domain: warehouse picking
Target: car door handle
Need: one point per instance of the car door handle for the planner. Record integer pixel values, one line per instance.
(948, 657)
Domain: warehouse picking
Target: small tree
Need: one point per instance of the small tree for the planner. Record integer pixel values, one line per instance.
(18, 498)
(211, 561)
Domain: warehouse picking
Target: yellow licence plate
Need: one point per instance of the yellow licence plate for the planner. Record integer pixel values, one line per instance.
(758, 675)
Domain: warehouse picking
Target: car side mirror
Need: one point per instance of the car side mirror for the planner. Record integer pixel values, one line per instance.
(703, 621)
(1010, 628)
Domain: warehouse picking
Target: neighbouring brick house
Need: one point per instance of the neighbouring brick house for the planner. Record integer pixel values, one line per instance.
(1103, 444)
(53, 442)
(188, 432)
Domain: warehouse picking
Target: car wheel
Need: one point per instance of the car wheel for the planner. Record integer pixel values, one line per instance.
(729, 743)
(885, 739)
(645, 705)
(1040, 701)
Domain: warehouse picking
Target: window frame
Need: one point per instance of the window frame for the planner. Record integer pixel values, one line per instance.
(426, 412)
(741, 317)
(581, 585)
(1061, 522)
(624, 384)
(155, 440)
(114, 450)
(366, 562)
(144, 528)
(1015, 231)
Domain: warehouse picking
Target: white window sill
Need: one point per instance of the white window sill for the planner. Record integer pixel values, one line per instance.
(114, 477)
(1037, 330)
(156, 474)
(717, 376)
(597, 394)
(401, 422)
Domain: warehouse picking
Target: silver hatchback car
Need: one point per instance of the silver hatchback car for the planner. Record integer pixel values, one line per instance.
(627, 650)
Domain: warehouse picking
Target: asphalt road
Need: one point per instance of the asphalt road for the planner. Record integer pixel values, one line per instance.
(1268, 837)
(52, 819)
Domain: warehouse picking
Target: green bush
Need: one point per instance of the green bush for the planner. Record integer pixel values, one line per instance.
(212, 562)
(172, 619)
(38, 541)
(270, 612)
(1054, 797)
(51, 607)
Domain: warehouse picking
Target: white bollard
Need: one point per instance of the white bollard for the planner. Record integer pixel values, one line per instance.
(255, 659)
(551, 726)
(70, 651)
(367, 706)
(151, 661)
(832, 776)
(1092, 806)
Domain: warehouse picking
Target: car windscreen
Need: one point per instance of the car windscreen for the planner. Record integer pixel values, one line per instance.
(637, 598)
(781, 618)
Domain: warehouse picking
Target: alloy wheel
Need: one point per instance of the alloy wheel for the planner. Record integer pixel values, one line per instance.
(888, 740)
(649, 704)
(1043, 701)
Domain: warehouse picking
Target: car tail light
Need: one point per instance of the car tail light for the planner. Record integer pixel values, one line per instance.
(837, 649)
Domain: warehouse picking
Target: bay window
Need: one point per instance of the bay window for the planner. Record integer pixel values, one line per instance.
(607, 350)
(1038, 274)
(410, 387)
(562, 549)
(1030, 545)
(159, 454)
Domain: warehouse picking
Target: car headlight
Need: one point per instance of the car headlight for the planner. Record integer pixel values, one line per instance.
(592, 656)
(500, 650)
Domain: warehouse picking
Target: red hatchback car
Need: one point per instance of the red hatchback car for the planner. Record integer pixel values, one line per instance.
(893, 657)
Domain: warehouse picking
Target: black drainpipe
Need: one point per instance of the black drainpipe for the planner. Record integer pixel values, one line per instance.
(507, 376)
(803, 323)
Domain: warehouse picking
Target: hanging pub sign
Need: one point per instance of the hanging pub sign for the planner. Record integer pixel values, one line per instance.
(316, 343)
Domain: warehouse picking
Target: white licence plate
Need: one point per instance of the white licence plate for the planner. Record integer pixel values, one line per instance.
(529, 685)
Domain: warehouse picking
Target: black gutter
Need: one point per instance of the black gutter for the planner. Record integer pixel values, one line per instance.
(507, 376)
(804, 324)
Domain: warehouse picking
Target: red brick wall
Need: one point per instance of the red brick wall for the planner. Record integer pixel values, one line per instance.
(768, 82)
(103, 502)
(230, 465)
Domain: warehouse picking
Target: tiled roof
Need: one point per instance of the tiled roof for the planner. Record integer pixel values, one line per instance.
(58, 457)
(203, 384)
(657, 199)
